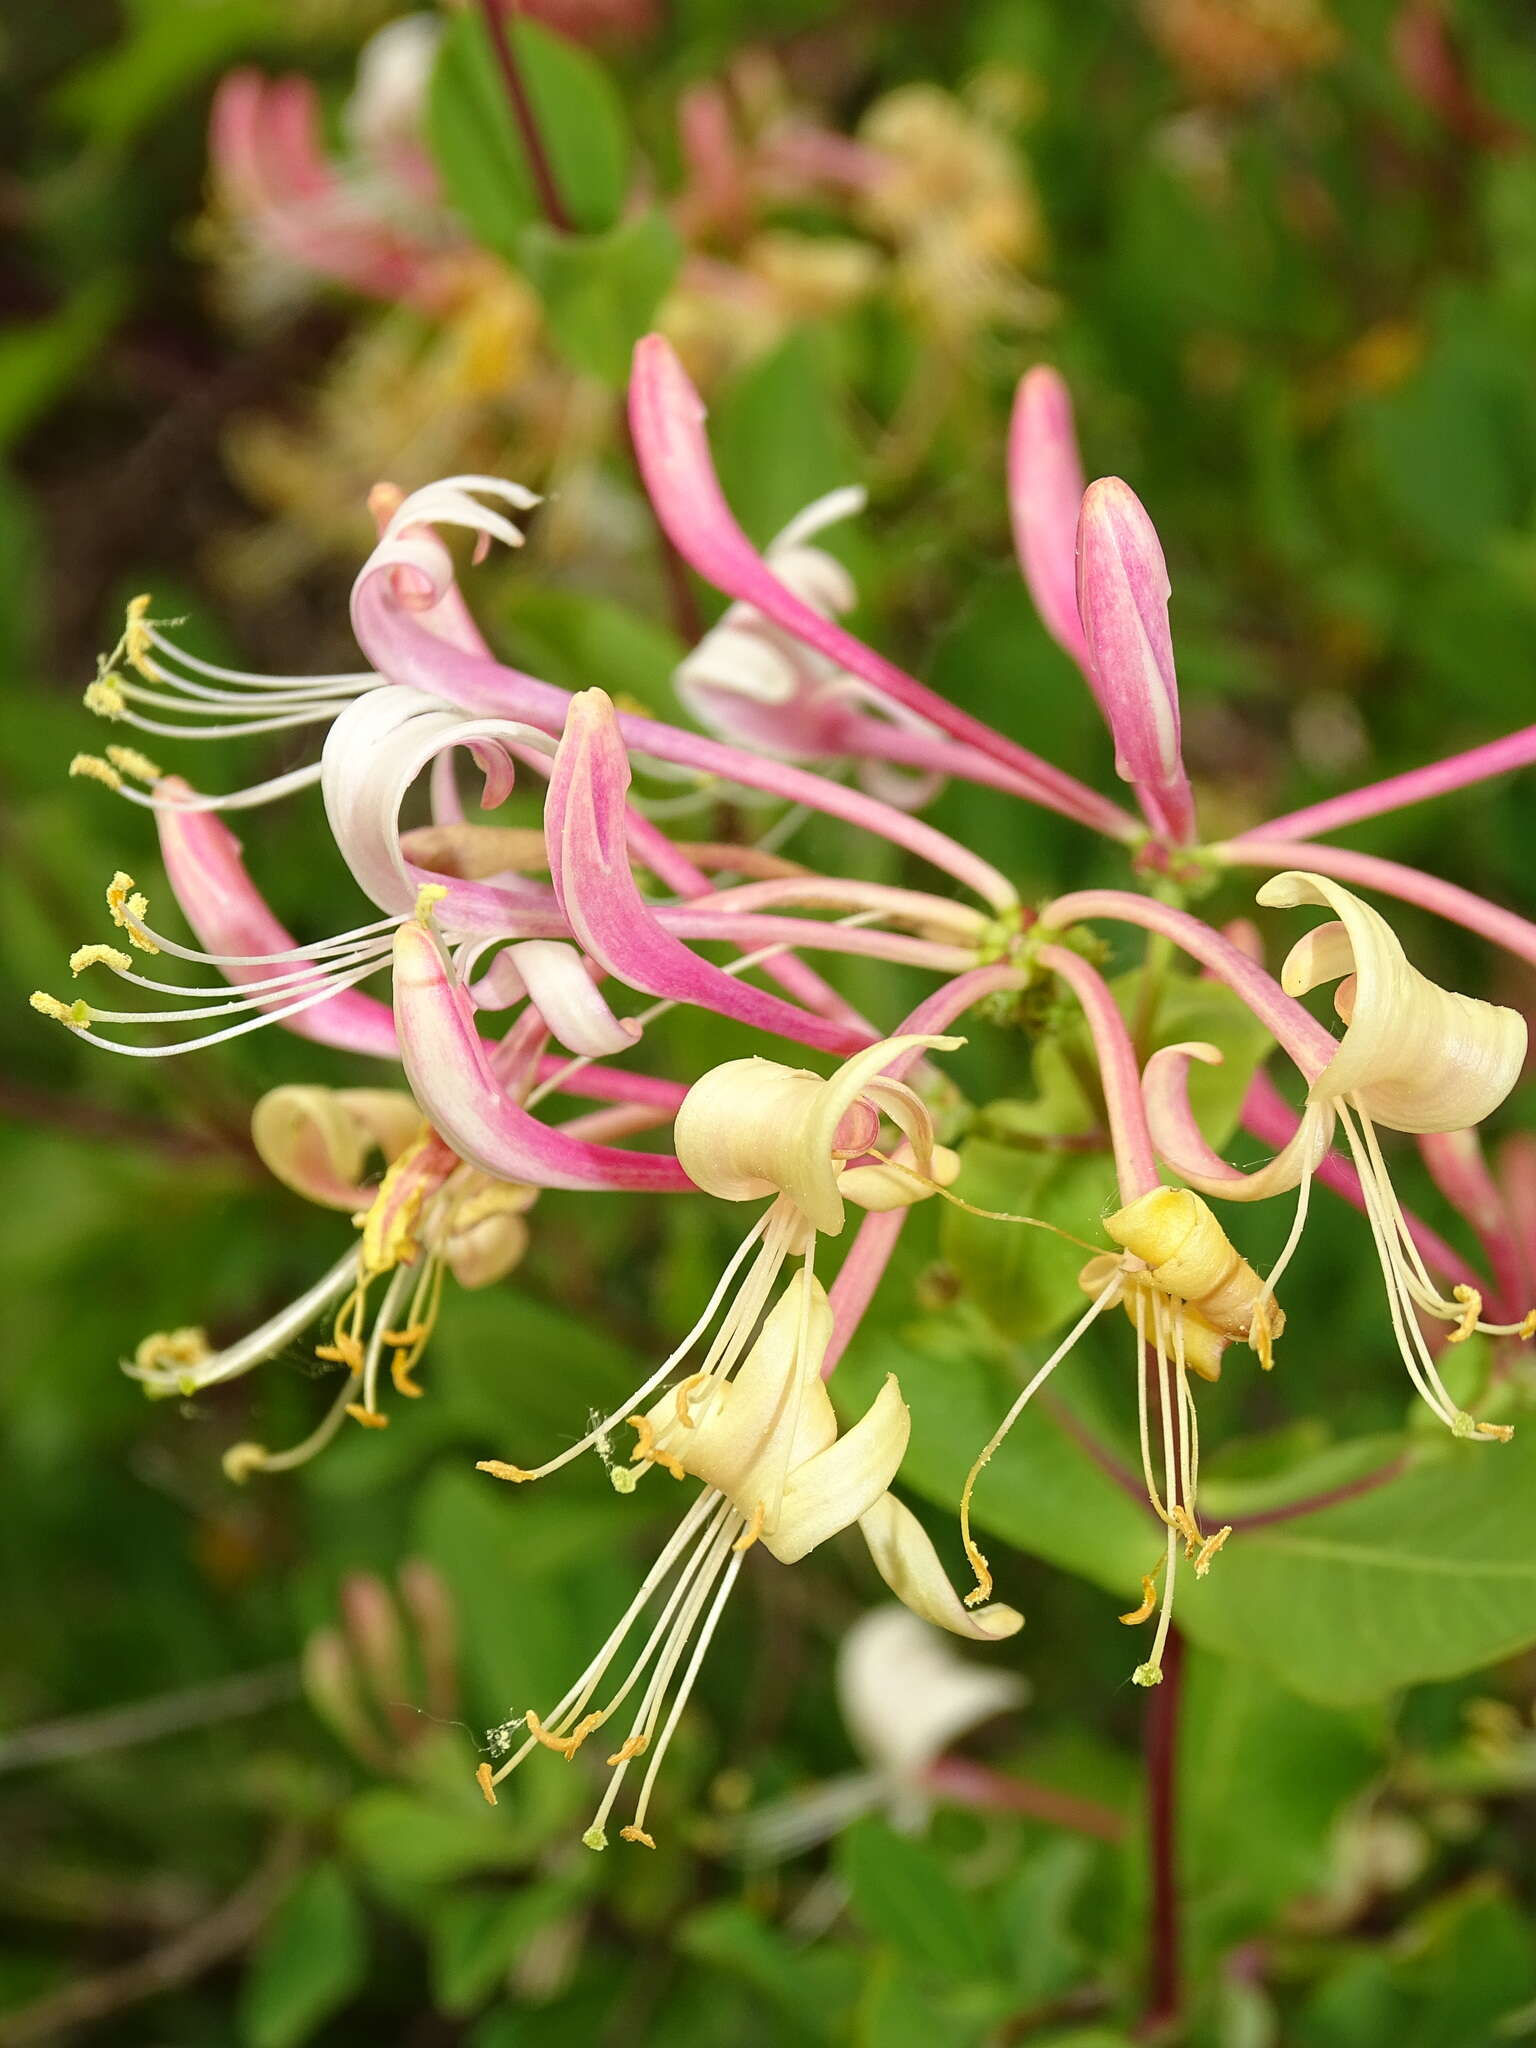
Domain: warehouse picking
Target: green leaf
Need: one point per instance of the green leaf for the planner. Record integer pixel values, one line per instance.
(904, 1895)
(476, 1935)
(1042, 1491)
(309, 1963)
(600, 291)
(39, 362)
(477, 148)
(1428, 1576)
(811, 1988)
(779, 436)
(1025, 1280)
(166, 48)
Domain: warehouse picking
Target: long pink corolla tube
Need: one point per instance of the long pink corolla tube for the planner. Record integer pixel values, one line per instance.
(666, 417)
(1516, 935)
(1135, 1160)
(1309, 1045)
(1457, 771)
(403, 649)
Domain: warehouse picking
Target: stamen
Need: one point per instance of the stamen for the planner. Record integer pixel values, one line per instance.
(129, 761)
(1209, 1549)
(978, 1562)
(486, 1783)
(241, 1460)
(92, 768)
(100, 956)
(634, 1834)
(753, 1530)
(1148, 1605)
(646, 1450)
(75, 1016)
(499, 1469)
(370, 1418)
(129, 908)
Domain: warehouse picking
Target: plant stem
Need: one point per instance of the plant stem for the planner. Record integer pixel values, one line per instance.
(540, 169)
(1164, 1976)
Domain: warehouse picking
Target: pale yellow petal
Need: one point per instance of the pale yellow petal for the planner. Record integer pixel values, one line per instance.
(909, 1565)
(832, 1490)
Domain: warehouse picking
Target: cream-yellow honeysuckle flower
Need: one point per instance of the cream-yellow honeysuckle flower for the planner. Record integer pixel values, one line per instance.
(1413, 1057)
(429, 1215)
(776, 1472)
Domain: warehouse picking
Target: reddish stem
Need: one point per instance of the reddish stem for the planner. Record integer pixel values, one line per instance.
(965, 1783)
(540, 169)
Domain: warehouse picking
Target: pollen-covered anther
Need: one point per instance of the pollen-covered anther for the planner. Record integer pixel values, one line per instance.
(137, 639)
(500, 1469)
(428, 896)
(647, 1451)
(484, 1779)
(92, 768)
(683, 1390)
(1184, 1522)
(370, 1418)
(1471, 1312)
(1148, 1605)
(563, 1745)
(105, 696)
(130, 761)
(1501, 1432)
(630, 1748)
(752, 1531)
(129, 907)
(342, 1350)
(982, 1590)
(401, 1367)
(634, 1834)
(100, 956)
(1211, 1548)
(74, 1016)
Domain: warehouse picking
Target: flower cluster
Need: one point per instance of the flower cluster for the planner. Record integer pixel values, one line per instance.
(513, 957)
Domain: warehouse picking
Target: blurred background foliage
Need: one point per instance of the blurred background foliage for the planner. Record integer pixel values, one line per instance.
(1285, 252)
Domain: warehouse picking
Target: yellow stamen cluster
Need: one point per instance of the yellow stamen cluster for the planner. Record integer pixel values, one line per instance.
(131, 762)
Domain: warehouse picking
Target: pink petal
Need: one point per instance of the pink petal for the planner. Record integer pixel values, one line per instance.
(1045, 495)
(461, 1097)
(584, 828)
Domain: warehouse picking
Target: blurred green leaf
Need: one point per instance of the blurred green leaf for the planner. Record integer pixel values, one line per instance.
(167, 47)
(479, 153)
(475, 1935)
(310, 1963)
(40, 361)
(600, 291)
(902, 1893)
(812, 1989)
(779, 436)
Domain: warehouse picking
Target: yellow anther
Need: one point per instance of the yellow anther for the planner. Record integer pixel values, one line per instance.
(428, 896)
(401, 1367)
(499, 1469)
(1471, 1312)
(1209, 1549)
(370, 1418)
(136, 634)
(1527, 1325)
(99, 956)
(391, 1216)
(685, 1388)
(1185, 1523)
(1501, 1432)
(133, 763)
(753, 1530)
(94, 769)
(105, 696)
(486, 1782)
(76, 1015)
(647, 1451)
(1261, 1335)
(129, 907)
(342, 1350)
(566, 1745)
(632, 1746)
(168, 1349)
(633, 1834)
(241, 1460)
(1148, 1605)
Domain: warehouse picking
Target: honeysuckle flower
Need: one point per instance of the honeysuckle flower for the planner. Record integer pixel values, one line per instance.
(750, 682)
(430, 1216)
(1096, 572)
(358, 1672)
(1414, 1057)
(905, 1696)
(776, 1472)
(1187, 1293)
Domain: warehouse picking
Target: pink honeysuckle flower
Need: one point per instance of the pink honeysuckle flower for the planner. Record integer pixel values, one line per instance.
(666, 422)
(374, 225)
(583, 824)
(1122, 599)
(753, 684)
(1096, 572)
